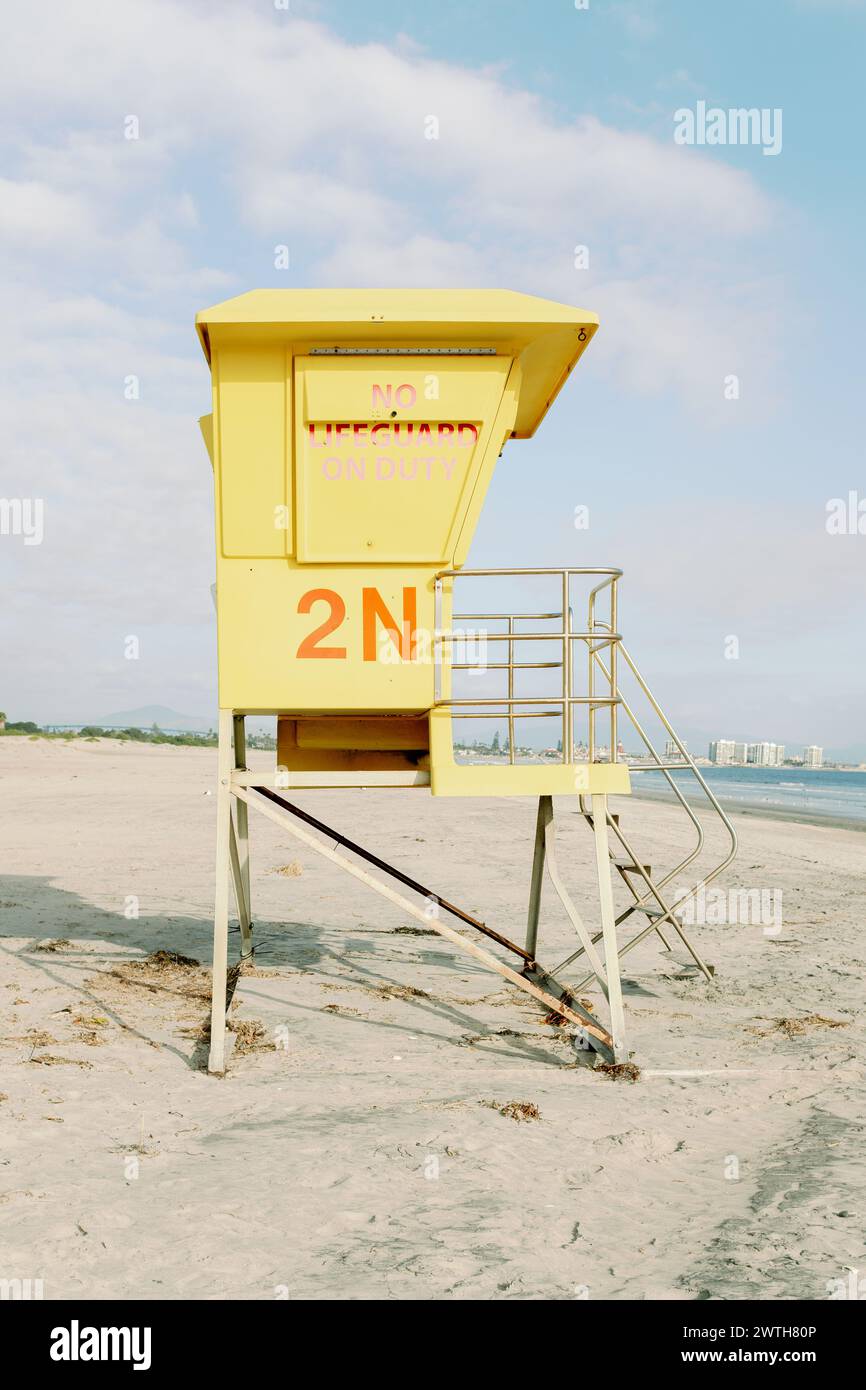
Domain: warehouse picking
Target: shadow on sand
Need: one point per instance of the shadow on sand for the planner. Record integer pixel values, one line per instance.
(55, 931)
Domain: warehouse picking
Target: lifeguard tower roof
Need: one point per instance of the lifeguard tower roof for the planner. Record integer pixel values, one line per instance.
(547, 338)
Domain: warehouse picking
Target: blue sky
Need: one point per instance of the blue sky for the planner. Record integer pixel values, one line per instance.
(261, 127)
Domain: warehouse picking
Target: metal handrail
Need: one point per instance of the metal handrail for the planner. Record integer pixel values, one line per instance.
(530, 699)
(600, 637)
(511, 705)
(498, 617)
(688, 764)
(656, 885)
(610, 583)
(611, 571)
(532, 636)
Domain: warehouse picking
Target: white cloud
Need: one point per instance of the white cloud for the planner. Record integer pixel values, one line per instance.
(257, 128)
(637, 19)
(37, 216)
(317, 140)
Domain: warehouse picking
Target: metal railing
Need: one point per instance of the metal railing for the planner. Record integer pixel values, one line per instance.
(660, 764)
(601, 637)
(511, 706)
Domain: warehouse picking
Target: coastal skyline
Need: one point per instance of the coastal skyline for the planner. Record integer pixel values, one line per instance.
(762, 753)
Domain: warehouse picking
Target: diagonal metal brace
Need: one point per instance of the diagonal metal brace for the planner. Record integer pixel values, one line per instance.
(590, 1029)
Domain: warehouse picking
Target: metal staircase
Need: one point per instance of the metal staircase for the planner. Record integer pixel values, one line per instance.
(650, 901)
(655, 902)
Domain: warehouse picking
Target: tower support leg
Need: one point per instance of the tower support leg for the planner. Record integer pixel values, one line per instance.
(243, 843)
(545, 816)
(608, 927)
(545, 857)
(217, 1058)
(240, 893)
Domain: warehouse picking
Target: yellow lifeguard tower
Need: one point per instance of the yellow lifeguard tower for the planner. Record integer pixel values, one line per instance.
(353, 438)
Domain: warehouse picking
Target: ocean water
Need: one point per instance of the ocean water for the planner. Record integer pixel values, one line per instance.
(818, 795)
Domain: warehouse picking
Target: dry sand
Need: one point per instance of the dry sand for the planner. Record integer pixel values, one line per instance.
(357, 1147)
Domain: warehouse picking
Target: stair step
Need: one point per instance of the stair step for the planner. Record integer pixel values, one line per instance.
(629, 866)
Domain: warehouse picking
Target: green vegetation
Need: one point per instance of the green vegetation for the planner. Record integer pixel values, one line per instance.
(154, 735)
(26, 727)
(93, 731)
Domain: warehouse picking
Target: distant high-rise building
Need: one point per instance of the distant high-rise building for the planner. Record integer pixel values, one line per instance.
(722, 751)
(672, 752)
(741, 752)
(813, 757)
(766, 754)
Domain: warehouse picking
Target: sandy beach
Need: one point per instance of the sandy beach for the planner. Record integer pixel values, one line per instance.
(396, 1123)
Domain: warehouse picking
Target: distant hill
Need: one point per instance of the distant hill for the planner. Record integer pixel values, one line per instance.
(161, 715)
(165, 718)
